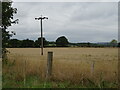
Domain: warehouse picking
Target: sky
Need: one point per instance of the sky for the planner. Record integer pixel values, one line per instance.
(78, 21)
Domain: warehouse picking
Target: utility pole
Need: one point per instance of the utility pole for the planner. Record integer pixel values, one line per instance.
(41, 18)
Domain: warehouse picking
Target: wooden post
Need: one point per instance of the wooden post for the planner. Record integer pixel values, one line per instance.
(92, 68)
(24, 72)
(49, 65)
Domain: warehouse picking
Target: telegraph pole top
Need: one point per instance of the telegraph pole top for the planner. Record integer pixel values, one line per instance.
(40, 18)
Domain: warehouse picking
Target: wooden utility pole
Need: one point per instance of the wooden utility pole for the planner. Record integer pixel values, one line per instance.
(41, 18)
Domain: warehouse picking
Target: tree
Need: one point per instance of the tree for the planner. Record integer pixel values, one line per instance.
(62, 41)
(14, 43)
(113, 43)
(7, 20)
(27, 43)
(38, 42)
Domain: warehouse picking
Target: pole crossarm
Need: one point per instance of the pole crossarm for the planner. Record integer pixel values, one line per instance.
(40, 18)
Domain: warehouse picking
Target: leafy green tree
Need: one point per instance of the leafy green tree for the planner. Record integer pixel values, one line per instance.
(14, 43)
(113, 41)
(27, 43)
(7, 20)
(38, 42)
(62, 41)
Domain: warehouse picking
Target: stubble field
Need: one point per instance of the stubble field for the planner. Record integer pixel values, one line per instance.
(72, 67)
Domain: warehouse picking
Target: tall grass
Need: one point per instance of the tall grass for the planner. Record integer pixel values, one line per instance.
(72, 68)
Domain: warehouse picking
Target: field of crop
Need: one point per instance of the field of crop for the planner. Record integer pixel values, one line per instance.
(72, 67)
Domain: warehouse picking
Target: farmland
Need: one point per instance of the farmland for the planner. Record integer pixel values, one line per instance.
(72, 67)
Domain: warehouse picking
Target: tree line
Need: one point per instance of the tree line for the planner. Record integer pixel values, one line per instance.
(60, 42)
(15, 43)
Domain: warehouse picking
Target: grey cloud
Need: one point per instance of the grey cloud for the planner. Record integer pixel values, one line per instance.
(78, 21)
(92, 11)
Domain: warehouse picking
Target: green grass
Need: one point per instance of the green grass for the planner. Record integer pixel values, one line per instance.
(32, 82)
(35, 82)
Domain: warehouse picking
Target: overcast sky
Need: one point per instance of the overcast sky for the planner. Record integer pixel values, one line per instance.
(78, 21)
